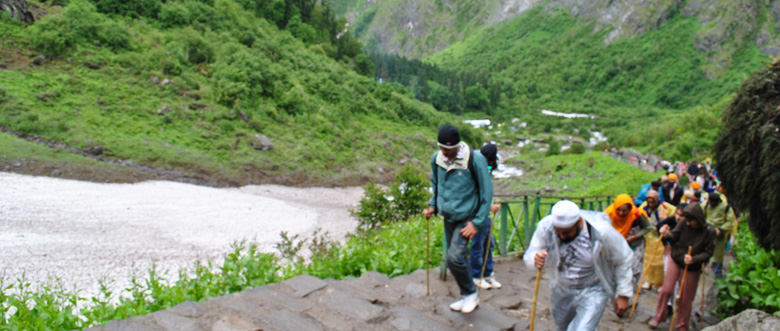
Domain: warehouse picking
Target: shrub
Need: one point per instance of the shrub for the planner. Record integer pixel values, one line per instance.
(79, 23)
(753, 281)
(577, 148)
(745, 153)
(3, 94)
(173, 14)
(114, 35)
(555, 147)
(133, 9)
(406, 196)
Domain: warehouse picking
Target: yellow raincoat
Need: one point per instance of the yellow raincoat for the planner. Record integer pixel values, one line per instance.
(655, 273)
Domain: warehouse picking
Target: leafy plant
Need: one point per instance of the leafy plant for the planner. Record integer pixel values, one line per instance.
(753, 281)
(405, 197)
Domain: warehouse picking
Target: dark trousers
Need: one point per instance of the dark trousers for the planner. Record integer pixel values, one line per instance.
(457, 257)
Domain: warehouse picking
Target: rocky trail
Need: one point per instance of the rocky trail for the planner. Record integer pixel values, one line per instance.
(376, 302)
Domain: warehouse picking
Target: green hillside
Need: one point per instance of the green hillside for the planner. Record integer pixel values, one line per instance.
(193, 85)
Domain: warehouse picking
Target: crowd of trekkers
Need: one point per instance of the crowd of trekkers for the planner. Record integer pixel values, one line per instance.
(662, 238)
(686, 223)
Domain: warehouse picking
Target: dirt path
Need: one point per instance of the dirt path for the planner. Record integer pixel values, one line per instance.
(82, 232)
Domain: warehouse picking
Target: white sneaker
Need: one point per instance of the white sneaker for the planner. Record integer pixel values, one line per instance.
(457, 305)
(493, 282)
(482, 283)
(470, 302)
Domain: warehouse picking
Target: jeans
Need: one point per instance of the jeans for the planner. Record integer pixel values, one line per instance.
(478, 246)
(457, 255)
(717, 268)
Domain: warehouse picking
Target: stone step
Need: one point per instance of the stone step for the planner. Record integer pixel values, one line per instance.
(377, 302)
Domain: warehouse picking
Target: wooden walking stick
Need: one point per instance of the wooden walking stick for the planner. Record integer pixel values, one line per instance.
(677, 302)
(427, 258)
(487, 251)
(639, 286)
(536, 294)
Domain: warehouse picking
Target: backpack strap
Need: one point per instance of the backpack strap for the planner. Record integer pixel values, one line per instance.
(473, 172)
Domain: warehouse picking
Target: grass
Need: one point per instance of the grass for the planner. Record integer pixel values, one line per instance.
(203, 121)
(583, 174)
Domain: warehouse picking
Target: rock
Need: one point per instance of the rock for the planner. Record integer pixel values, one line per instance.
(771, 51)
(3, 65)
(91, 65)
(156, 80)
(46, 96)
(18, 10)
(750, 319)
(94, 150)
(261, 143)
(166, 81)
(191, 95)
(38, 60)
(507, 142)
(17, 164)
(198, 105)
(164, 110)
(55, 173)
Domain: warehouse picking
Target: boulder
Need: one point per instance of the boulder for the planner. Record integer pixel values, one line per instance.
(18, 10)
(261, 143)
(750, 319)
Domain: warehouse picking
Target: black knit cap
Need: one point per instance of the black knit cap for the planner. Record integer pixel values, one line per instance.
(449, 137)
(490, 152)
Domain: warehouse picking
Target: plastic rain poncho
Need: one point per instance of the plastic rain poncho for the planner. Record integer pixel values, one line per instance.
(613, 268)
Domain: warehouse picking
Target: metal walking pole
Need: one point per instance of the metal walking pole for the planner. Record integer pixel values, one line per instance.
(639, 286)
(536, 294)
(677, 303)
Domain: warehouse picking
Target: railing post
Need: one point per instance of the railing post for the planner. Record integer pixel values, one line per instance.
(502, 247)
(531, 226)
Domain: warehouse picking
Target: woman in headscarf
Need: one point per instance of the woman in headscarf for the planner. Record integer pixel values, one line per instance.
(657, 212)
(633, 224)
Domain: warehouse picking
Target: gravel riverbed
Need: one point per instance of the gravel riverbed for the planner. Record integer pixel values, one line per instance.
(83, 232)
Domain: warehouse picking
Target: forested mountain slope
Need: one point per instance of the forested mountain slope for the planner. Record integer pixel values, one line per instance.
(241, 91)
(655, 73)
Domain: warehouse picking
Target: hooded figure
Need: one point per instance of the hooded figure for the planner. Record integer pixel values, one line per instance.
(691, 231)
(589, 264)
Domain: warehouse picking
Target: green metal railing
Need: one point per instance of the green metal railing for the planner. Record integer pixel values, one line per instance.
(529, 211)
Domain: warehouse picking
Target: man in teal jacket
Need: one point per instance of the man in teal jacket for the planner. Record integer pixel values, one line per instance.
(462, 194)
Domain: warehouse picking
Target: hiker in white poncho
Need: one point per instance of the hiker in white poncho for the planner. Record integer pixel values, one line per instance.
(589, 262)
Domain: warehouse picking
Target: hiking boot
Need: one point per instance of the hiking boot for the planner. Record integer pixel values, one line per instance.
(482, 283)
(493, 282)
(457, 305)
(470, 302)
